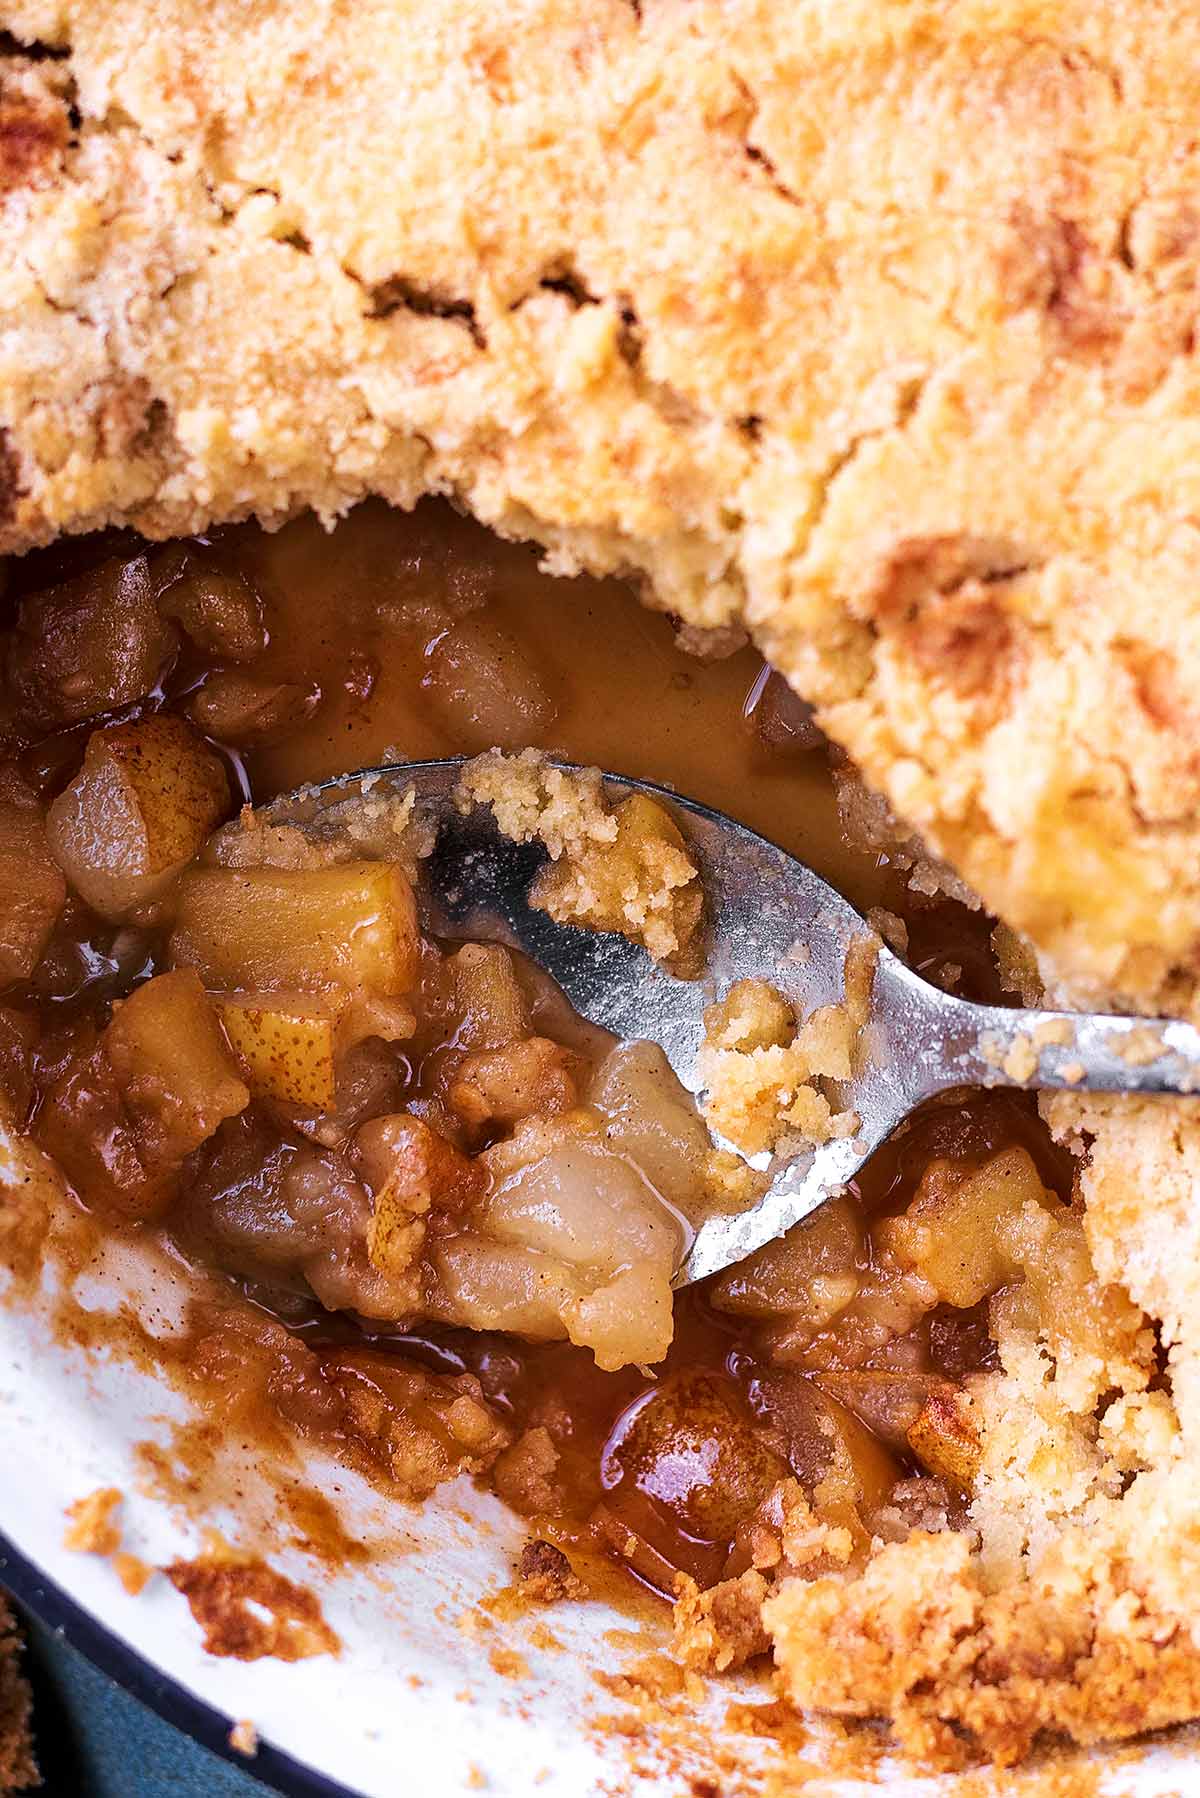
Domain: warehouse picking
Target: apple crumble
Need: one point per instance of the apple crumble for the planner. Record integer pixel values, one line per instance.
(867, 331)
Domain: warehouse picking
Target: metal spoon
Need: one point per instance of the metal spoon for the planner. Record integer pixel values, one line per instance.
(760, 903)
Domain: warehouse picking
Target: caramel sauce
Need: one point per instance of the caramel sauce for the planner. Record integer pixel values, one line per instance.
(656, 1468)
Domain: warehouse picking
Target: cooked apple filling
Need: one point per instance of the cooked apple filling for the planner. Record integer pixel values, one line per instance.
(462, 1203)
(317, 1097)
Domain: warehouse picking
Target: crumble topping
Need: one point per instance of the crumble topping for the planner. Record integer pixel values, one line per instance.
(760, 1067)
(624, 869)
(94, 1529)
(376, 822)
(545, 1575)
(243, 1738)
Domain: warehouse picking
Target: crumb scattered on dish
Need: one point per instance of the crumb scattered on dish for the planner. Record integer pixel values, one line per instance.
(247, 1609)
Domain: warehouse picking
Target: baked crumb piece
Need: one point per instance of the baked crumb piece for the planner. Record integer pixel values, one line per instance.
(545, 1574)
(247, 1609)
(722, 1627)
(1053, 1033)
(760, 1069)
(1139, 1046)
(869, 823)
(624, 868)
(1021, 1060)
(963, 1671)
(243, 1738)
(524, 1474)
(476, 1779)
(509, 1663)
(93, 1529)
(533, 801)
(133, 1573)
(376, 824)
(426, 1428)
(731, 1183)
(890, 927)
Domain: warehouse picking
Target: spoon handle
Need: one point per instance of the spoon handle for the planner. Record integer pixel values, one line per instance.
(1086, 1051)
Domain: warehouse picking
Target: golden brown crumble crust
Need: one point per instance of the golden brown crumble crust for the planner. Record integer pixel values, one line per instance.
(968, 234)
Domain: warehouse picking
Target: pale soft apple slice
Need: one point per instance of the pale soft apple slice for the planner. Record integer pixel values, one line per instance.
(351, 927)
(535, 1077)
(143, 804)
(285, 1044)
(487, 997)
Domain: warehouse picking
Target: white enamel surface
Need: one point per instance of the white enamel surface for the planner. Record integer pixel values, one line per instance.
(412, 1704)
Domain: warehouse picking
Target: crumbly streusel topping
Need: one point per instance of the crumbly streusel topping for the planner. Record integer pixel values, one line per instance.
(541, 272)
(624, 868)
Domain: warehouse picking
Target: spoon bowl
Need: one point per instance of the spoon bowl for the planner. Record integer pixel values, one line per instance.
(767, 916)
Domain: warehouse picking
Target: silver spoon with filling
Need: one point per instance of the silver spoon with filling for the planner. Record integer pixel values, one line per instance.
(767, 917)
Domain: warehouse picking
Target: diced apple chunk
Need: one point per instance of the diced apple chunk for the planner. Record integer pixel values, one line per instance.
(697, 1453)
(93, 644)
(32, 889)
(216, 607)
(650, 1117)
(487, 996)
(145, 800)
(953, 1231)
(505, 1085)
(411, 1170)
(173, 1066)
(489, 1285)
(235, 707)
(313, 930)
(161, 1080)
(84, 1126)
(285, 1044)
(944, 1438)
(889, 1403)
(812, 1273)
(847, 1471)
